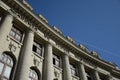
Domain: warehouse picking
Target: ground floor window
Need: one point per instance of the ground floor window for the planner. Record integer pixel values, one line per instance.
(6, 65)
(33, 75)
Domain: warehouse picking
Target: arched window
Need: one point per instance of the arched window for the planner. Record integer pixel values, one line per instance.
(33, 75)
(6, 65)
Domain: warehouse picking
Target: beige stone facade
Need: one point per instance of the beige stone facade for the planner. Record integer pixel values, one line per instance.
(31, 49)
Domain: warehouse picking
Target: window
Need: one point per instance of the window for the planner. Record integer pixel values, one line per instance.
(33, 75)
(56, 60)
(73, 69)
(6, 65)
(37, 48)
(16, 34)
(0, 17)
(89, 76)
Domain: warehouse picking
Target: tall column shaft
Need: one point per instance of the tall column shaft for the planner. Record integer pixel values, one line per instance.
(96, 75)
(5, 28)
(26, 56)
(82, 72)
(66, 68)
(48, 63)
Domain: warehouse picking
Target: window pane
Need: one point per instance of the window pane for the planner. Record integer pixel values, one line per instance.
(17, 37)
(34, 48)
(7, 71)
(8, 61)
(1, 17)
(1, 67)
(16, 34)
(39, 51)
(33, 75)
(57, 63)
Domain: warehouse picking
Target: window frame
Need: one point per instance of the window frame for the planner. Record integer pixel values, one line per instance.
(74, 69)
(37, 48)
(3, 60)
(56, 59)
(89, 77)
(33, 75)
(16, 34)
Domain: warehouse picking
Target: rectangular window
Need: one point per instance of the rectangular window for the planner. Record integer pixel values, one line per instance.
(16, 34)
(73, 69)
(37, 48)
(89, 76)
(56, 60)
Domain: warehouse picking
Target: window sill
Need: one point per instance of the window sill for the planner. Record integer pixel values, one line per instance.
(76, 77)
(37, 55)
(57, 67)
(19, 43)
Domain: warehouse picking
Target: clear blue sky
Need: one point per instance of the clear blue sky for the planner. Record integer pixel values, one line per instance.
(94, 23)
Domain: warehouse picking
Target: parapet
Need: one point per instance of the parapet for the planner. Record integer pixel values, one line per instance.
(57, 30)
(43, 18)
(70, 39)
(94, 53)
(84, 48)
(27, 5)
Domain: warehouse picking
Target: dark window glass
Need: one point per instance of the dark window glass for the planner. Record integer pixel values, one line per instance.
(16, 34)
(89, 76)
(73, 69)
(56, 60)
(37, 48)
(1, 16)
(6, 64)
(33, 75)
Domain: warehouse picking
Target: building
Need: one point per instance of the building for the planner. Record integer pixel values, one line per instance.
(31, 49)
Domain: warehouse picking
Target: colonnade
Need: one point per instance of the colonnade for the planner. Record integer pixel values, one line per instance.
(48, 71)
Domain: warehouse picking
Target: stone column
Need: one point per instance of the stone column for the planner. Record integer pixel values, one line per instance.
(48, 63)
(66, 68)
(82, 72)
(5, 28)
(96, 75)
(26, 60)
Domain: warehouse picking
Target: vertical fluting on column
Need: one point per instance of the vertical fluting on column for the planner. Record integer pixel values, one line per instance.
(66, 68)
(26, 56)
(96, 75)
(5, 28)
(48, 63)
(82, 72)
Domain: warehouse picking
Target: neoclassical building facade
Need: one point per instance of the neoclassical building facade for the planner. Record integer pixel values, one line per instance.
(31, 49)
